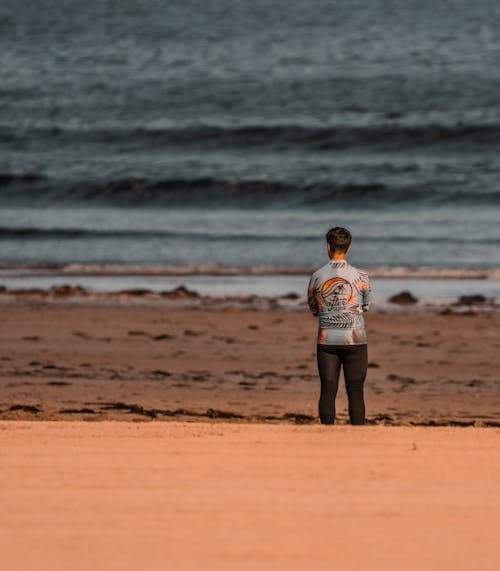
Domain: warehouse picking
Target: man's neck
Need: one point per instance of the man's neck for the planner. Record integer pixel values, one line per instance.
(338, 257)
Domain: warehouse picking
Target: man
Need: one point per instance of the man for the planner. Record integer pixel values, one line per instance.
(339, 294)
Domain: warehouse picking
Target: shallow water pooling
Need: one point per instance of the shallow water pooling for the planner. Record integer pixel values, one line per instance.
(435, 292)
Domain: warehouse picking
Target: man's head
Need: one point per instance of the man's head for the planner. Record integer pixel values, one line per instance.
(339, 240)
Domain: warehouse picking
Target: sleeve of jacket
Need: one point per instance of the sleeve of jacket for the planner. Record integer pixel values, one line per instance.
(311, 296)
(367, 293)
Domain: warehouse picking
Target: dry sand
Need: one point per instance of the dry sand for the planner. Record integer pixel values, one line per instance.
(158, 361)
(122, 496)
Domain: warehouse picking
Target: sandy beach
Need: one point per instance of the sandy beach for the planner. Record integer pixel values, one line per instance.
(98, 361)
(122, 496)
(223, 463)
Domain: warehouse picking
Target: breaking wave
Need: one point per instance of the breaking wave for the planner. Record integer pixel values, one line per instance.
(35, 233)
(192, 192)
(273, 136)
(124, 269)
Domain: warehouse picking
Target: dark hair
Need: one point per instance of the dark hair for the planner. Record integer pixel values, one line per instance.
(339, 239)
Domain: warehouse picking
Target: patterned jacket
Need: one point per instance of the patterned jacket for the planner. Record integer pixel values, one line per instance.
(338, 294)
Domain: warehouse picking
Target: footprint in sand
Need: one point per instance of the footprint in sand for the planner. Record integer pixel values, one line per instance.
(160, 373)
(82, 334)
(247, 385)
(200, 378)
(192, 333)
(162, 337)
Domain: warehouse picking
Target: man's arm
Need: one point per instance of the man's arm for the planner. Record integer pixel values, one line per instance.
(311, 296)
(367, 293)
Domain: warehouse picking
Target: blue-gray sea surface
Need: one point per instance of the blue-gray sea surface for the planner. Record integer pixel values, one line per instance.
(237, 132)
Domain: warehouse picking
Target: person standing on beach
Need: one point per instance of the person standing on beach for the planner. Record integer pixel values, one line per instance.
(339, 294)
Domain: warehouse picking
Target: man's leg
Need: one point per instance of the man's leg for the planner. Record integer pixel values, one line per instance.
(329, 371)
(355, 364)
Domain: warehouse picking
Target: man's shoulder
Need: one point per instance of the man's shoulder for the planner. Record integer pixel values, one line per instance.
(361, 273)
(340, 267)
(321, 271)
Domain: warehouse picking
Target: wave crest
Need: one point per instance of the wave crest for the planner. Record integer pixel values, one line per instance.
(238, 193)
(104, 269)
(312, 137)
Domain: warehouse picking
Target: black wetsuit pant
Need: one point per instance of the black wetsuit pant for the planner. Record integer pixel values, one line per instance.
(354, 360)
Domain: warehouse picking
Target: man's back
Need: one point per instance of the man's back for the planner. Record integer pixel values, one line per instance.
(339, 294)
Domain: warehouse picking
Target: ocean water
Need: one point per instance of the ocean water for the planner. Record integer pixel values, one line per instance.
(235, 133)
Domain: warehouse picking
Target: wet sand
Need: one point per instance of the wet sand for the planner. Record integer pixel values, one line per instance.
(126, 496)
(163, 362)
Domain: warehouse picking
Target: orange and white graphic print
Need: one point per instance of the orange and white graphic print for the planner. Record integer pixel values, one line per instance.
(338, 294)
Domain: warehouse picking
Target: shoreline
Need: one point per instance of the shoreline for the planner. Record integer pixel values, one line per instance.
(469, 302)
(166, 269)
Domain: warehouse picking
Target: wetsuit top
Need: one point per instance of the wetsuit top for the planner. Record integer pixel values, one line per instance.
(339, 294)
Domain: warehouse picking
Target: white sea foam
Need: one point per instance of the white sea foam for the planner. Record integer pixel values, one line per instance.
(92, 269)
